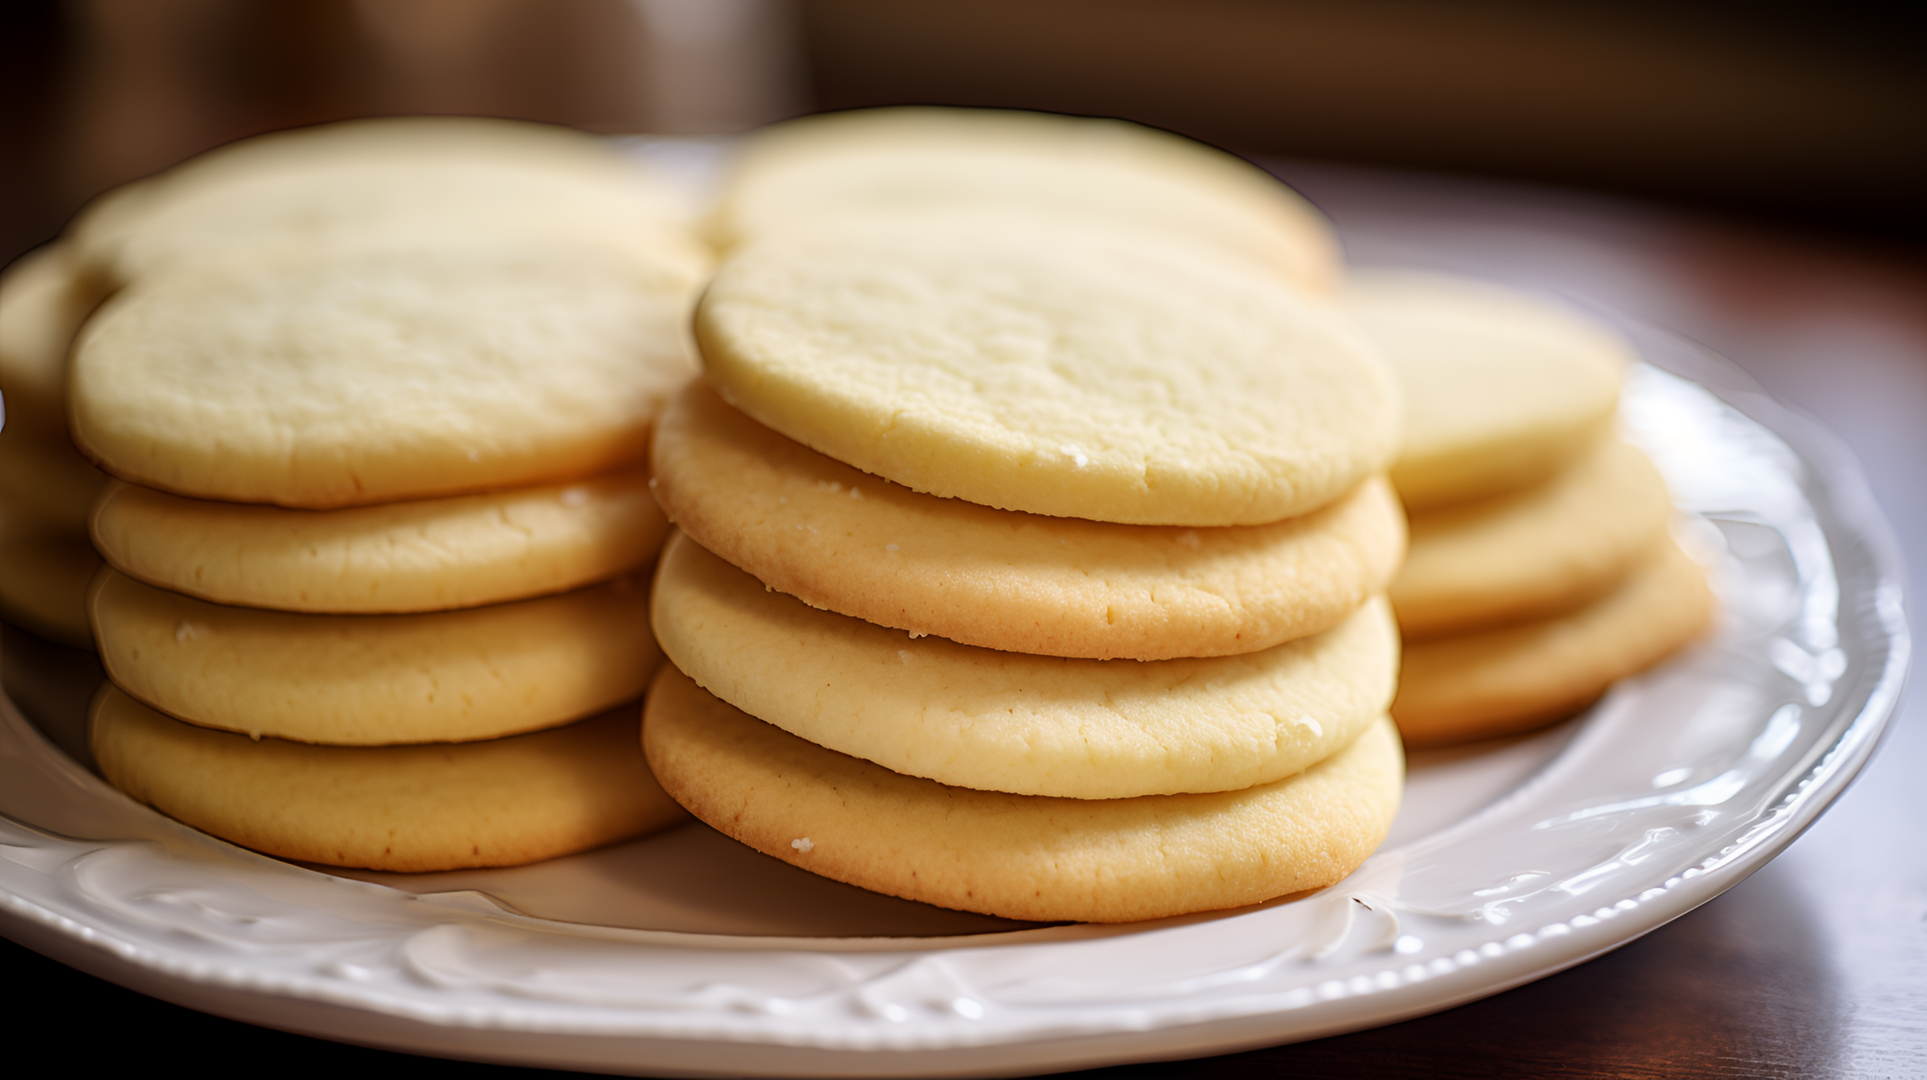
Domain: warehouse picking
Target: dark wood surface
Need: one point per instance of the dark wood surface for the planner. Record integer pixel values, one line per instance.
(1814, 967)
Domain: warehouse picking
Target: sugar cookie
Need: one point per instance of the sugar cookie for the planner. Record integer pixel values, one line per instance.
(450, 176)
(844, 540)
(1018, 856)
(40, 310)
(351, 377)
(431, 555)
(45, 481)
(1002, 721)
(406, 808)
(373, 680)
(858, 164)
(1049, 368)
(1532, 553)
(43, 579)
(1514, 678)
(1502, 390)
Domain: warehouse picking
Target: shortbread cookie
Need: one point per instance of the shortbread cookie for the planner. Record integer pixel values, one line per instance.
(923, 160)
(391, 372)
(375, 680)
(1497, 682)
(1502, 390)
(1018, 856)
(1044, 367)
(841, 539)
(1002, 721)
(431, 555)
(40, 310)
(1548, 549)
(407, 808)
(451, 176)
(43, 579)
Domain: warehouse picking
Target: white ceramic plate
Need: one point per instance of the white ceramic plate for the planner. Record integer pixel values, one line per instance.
(685, 954)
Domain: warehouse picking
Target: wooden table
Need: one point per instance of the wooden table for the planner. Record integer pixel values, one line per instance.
(1814, 967)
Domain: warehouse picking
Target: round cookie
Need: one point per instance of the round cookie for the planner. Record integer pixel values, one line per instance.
(43, 480)
(841, 539)
(376, 680)
(1018, 856)
(432, 555)
(908, 160)
(447, 176)
(1002, 721)
(40, 310)
(44, 576)
(1502, 390)
(405, 808)
(1046, 367)
(382, 373)
(1550, 548)
(1498, 682)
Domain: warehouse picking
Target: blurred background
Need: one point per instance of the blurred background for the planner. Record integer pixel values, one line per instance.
(1809, 115)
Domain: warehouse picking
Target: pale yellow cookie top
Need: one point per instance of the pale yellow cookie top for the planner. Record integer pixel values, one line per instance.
(823, 169)
(405, 808)
(1045, 367)
(377, 680)
(850, 542)
(382, 373)
(39, 313)
(1516, 678)
(438, 175)
(431, 555)
(1002, 721)
(1019, 856)
(1532, 553)
(1502, 389)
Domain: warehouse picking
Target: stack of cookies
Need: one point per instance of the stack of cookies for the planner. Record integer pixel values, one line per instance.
(1541, 567)
(47, 489)
(1030, 557)
(377, 397)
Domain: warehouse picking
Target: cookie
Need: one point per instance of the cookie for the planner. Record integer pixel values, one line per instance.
(45, 485)
(1502, 390)
(1053, 369)
(374, 680)
(378, 374)
(919, 160)
(45, 481)
(406, 808)
(1533, 553)
(43, 580)
(40, 309)
(841, 539)
(431, 555)
(1003, 721)
(1515, 678)
(1018, 856)
(445, 176)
